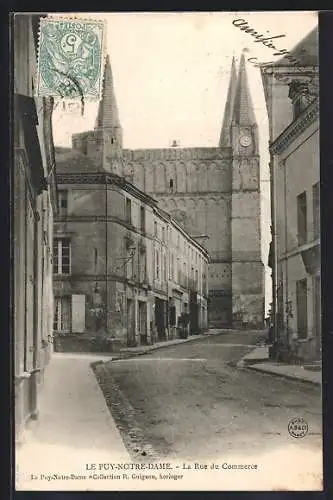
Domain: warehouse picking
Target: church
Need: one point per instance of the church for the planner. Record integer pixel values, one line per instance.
(213, 193)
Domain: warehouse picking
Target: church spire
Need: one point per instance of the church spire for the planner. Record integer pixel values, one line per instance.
(108, 116)
(243, 113)
(225, 140)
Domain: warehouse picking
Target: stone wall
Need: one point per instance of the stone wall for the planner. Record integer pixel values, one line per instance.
(194, 186)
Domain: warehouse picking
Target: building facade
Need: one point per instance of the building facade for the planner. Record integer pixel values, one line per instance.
(34, 202)
(211, 192)
(123, 269)
(292, 96)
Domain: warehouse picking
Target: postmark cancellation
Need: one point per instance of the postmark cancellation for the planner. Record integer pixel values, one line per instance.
(71, 58)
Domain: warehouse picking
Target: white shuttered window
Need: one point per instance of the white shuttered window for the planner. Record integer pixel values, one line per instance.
(78, 313)
(69, 313)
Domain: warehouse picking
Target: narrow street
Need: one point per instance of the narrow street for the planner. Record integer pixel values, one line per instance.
(190, 401)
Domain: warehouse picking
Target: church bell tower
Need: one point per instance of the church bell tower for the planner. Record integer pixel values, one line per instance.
(247, 268)
(108, 130)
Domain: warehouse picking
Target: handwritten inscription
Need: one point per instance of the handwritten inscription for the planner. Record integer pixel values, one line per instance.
(268, 41)
(243, 25)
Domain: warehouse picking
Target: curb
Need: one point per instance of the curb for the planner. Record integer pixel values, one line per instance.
(123, 414)
(252, 361)
(127, 355)
(246, 361)
(280, 375)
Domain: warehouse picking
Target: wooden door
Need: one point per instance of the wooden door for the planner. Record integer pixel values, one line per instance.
(130, 322)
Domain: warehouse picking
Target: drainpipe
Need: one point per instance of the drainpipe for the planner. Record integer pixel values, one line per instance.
(106, 257)
(35, 352)
(167, 282)
(274, 247)
(95, 291)
(286, 248)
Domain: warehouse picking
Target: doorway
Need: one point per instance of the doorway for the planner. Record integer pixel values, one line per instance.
(130, 323)
(194, 313)
(143, 322)
(160, 317)
(302, 308)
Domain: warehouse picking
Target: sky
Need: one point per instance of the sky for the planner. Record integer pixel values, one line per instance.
(171, 73)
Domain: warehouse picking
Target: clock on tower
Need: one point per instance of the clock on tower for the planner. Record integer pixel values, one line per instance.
(245, 140)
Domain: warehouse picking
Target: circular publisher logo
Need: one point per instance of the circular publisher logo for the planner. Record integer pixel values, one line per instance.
(298, 427)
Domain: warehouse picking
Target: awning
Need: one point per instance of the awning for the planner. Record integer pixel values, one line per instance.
(311, 259)
(177, 293)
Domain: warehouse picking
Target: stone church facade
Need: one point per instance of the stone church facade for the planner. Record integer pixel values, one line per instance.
(214, 193)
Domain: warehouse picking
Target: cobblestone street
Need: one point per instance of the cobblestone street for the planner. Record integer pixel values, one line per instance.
(190, 402)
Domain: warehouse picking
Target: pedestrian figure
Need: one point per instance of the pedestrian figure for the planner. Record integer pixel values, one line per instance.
(186, 321)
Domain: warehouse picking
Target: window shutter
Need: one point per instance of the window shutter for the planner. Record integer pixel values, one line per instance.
(78, 313)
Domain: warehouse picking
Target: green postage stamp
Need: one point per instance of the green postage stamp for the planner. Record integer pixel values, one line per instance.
(71, 58)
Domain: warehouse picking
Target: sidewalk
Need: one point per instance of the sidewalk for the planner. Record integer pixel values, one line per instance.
(74, 425)
(258, 360)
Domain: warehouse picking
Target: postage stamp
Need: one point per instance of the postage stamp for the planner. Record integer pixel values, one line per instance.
(70, 59)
